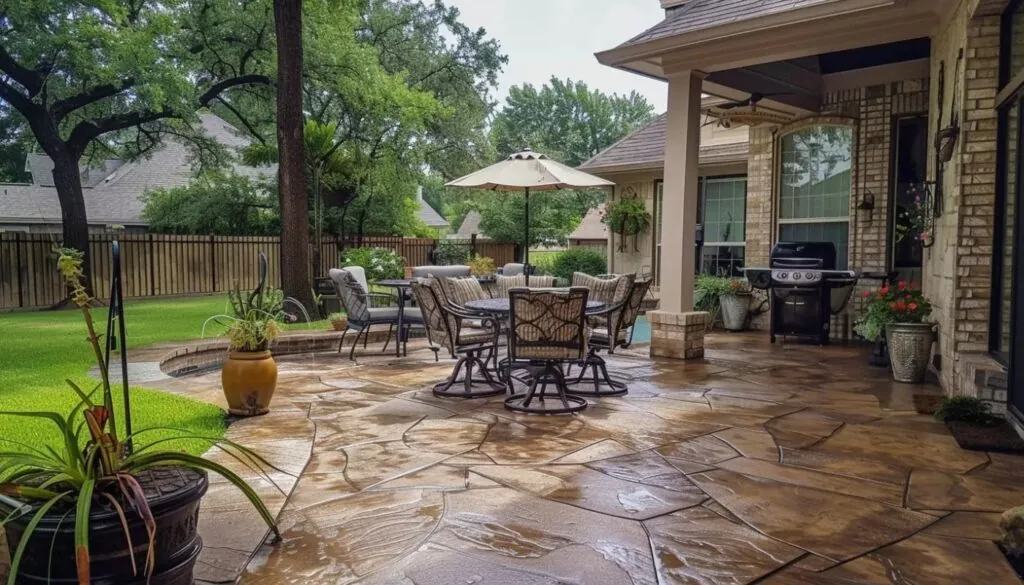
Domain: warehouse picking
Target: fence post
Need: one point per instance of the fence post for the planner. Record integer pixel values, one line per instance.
(472, 245)
(17, 265)
(152, 267)
(213, 263)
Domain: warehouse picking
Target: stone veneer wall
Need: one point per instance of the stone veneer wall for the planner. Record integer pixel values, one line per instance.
(958, 268)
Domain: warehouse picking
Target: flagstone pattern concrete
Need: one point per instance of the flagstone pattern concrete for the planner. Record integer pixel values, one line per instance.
(776, 465)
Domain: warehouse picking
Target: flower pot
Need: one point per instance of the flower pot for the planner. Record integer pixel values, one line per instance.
(735, 309)
(249, 379)
(339, 324)
(173, 494)
(910, 350)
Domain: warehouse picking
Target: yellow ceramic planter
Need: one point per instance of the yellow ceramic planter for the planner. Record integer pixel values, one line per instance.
(249, 379)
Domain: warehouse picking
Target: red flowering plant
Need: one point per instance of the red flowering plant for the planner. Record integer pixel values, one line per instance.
(900, 303)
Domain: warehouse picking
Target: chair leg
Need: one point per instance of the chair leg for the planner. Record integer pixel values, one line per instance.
(341, 343)
(367, 336)
(352, 350)
(387, 340)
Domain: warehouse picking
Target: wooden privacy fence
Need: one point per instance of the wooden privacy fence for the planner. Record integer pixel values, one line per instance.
(163, 265)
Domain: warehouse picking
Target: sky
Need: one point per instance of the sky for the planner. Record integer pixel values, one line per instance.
(559, 37)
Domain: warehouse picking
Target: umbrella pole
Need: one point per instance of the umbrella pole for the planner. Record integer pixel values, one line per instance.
(526, 244)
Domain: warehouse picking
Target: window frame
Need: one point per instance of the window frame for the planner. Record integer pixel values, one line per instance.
(703, 216)
(849, 218)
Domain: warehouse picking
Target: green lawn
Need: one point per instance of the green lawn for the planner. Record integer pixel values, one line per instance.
(38, 350)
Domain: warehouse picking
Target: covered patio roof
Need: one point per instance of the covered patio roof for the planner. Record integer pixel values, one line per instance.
(789, 51)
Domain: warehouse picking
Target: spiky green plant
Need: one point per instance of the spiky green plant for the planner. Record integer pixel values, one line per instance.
(255, 319)
(93, 465)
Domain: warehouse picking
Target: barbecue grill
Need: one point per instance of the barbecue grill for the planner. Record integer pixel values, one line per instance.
(805, 289)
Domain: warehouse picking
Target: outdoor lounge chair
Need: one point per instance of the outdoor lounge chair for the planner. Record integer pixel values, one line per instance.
(612, 329)
(362, 316)
(473, 347)
(547, 329)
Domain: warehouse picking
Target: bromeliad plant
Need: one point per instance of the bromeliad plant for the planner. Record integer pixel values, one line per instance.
(93, 465)
(900, 303)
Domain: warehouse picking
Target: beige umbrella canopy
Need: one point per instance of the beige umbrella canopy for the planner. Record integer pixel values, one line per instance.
(529, 171)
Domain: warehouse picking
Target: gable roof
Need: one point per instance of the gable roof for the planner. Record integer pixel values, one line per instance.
(470, 225)
(114, 199)
(645, 150)
(698, 15)
(591, 227)
(429, 215)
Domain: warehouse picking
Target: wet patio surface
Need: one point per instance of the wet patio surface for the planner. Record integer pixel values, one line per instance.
(792, 465)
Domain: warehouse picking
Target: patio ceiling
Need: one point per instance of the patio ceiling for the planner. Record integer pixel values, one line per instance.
(786, 48)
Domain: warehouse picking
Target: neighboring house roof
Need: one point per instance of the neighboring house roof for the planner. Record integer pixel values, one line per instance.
(698, 15)
(591, 227)
(429, 215)
(645, 150)
(41, 168)
(115, 197)
(470, 225)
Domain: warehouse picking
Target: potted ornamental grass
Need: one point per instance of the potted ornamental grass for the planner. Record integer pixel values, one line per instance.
(899, 312)
(249, 377)
(87, 507)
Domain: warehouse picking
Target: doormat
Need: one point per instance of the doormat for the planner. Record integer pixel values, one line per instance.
(1000, 438)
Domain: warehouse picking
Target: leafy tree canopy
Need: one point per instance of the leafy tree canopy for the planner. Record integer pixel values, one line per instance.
(217, 204)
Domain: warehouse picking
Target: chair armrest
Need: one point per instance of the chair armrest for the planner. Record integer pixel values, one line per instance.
(608, 309)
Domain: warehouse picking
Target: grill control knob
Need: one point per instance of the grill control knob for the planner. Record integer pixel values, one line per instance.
(809, 276)
(796, 276)
(783, 276)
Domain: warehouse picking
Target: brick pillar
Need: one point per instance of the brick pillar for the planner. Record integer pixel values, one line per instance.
(678, 335)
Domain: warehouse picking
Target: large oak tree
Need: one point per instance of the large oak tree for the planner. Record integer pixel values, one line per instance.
(117, 77)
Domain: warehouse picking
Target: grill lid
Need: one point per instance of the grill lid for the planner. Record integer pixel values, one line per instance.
(807, 255)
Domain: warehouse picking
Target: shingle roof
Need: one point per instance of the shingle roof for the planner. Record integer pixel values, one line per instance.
(115, 198)
(470, 225)
(430, 216)
(645, 149)
(698, 15)
(591, 227)
(41, 168)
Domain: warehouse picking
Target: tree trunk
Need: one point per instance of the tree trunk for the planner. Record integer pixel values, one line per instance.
(295, 268)
(72, 208)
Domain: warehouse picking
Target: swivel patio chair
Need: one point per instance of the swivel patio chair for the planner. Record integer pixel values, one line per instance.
(503, 284)
(473, 347)
(362, 316)
(546, 330)
(617, 331)
(607, 288)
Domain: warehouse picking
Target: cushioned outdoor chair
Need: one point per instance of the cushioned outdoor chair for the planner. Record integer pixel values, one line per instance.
(362, 316)
(512, 269)
(376, 299)
(607, 288)
(547, 329)
(503, 284)
(613, 329)
(473, 347)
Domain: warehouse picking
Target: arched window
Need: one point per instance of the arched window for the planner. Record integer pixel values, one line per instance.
(814, 188)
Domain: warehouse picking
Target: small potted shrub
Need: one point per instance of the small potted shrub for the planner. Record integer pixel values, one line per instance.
(707, 296)
(899, 312)
(339, 321)
(735, 305)
(249, 377)
(976, 428)
(1012, 542)
(95, 510)
(482, 267)
(871, 326)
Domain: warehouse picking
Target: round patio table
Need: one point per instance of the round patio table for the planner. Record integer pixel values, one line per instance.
(402, 288)
(501, 306)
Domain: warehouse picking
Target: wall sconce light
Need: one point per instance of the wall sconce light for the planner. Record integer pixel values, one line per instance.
(867, 203)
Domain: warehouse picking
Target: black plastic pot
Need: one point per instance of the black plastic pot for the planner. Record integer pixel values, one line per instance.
(879, 356)
(174, 495)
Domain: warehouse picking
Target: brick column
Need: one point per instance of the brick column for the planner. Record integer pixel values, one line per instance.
(678, 335)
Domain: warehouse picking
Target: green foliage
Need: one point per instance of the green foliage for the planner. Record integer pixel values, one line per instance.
(379, 263)
(1012, 525)
(255, 320)
(579, 260)
(627, 217)
(553, 215)
(100, 470)
(451, 253)
(966, 409)
(901, 303)
(708, 291)
(566, 120)
(214, 204)
(543, 261)
(482, 266)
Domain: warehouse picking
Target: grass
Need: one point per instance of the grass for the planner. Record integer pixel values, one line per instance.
(544, 260)
(39, 350)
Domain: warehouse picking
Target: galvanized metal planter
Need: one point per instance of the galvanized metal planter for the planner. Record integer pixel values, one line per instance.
(735, 310)
(910, 350)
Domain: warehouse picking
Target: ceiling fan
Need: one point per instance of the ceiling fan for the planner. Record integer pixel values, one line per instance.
(751, 101)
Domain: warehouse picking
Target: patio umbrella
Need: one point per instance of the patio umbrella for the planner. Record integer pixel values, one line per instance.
(529, 171)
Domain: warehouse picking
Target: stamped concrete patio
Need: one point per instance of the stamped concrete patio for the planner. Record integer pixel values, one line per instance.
(778, 465)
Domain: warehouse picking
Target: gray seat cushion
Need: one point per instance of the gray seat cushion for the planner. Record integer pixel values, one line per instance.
(386, 314)
(440, 271)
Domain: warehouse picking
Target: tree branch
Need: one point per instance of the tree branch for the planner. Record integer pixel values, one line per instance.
(86, 132)
(219, 87)
(63, 107)
(17, 99)
(30, 79)
(248, 126)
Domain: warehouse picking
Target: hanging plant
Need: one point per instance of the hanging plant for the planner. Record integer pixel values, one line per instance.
(627, 217)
